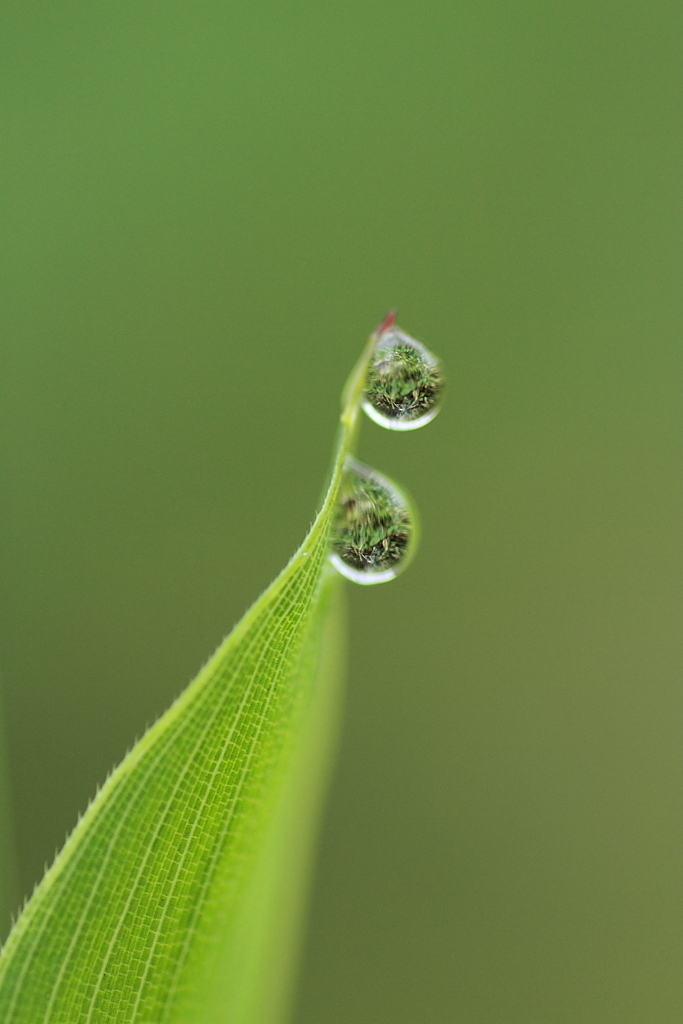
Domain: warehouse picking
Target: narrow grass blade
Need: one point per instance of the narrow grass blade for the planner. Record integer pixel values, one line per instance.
(176, 897)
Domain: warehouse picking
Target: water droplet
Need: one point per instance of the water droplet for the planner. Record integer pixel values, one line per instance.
(405, 382)
(373, 533)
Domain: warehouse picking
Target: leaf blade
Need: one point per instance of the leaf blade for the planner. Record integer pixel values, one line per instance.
(154, 882)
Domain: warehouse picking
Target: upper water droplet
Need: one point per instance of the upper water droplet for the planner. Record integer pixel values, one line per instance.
(405, 382)
(373, 534)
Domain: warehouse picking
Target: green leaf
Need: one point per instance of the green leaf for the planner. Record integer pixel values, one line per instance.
(177, 896)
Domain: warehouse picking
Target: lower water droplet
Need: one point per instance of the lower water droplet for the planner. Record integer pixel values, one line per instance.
(373, 534)
(404, 385)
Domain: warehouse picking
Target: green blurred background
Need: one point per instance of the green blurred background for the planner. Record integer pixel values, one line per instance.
(205, 209)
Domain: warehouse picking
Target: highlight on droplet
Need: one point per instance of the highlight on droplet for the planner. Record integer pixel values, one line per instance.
(374, 532)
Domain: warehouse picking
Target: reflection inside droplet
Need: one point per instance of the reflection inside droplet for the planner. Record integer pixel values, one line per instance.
(373, 533)
(404, 385)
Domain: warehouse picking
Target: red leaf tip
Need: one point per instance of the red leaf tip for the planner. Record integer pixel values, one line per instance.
(388, 322)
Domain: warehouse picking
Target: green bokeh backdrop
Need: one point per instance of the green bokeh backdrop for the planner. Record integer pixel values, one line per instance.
(205, 209)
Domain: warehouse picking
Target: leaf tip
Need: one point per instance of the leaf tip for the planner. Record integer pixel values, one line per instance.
(389, 321)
